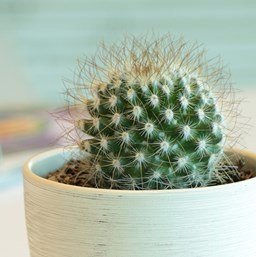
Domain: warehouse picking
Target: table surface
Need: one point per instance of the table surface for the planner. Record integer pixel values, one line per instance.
(13, 240)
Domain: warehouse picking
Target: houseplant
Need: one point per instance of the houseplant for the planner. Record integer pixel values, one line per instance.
(156, 171)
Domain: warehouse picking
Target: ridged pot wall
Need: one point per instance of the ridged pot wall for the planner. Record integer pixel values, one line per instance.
(69, 221)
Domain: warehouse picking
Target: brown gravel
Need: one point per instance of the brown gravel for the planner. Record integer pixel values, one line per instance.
(75, 172)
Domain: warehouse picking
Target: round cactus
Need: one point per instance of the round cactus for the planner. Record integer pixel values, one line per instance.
(154, 119)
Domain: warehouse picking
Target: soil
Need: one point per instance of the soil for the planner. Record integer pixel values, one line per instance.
(242, 174)
(75, 172)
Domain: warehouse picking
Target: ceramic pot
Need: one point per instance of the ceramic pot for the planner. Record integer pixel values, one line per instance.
(70, 221)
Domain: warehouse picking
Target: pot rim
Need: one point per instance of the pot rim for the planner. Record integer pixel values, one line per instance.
(27, 172)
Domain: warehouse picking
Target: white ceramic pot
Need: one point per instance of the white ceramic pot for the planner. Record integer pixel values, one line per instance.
(69, 221)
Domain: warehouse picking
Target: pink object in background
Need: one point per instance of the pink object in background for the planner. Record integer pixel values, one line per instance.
(32, 129)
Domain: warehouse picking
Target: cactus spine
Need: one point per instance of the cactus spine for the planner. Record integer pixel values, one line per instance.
(154, 117)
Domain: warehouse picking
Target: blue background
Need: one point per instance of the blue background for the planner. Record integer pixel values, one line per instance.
(41, 39)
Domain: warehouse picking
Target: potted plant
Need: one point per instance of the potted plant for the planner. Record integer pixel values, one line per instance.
(157, 176)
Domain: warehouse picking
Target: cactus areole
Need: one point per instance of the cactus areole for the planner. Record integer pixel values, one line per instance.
(154, 115)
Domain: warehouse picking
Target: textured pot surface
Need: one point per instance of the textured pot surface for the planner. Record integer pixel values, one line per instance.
(69, 221)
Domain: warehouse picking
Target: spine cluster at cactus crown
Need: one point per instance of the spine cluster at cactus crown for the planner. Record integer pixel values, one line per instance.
(156, 115)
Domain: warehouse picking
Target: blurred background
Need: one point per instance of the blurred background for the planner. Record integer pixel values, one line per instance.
(40, 41)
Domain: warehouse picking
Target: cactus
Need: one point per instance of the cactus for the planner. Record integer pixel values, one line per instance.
(155, 121)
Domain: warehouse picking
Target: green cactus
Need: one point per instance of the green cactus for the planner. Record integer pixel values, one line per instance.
(154, 118)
